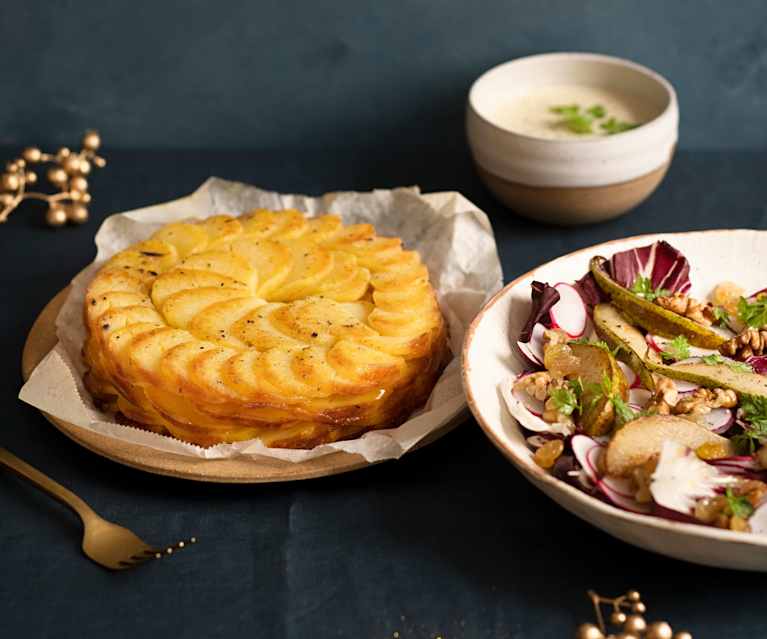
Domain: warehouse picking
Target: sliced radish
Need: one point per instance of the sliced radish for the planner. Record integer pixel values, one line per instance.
(525, 418)
(745, 463)
(719, 420)
(587, 452)
(650, 339)
(631, 377)
(758, 520)
(608, 487)
(639, 397)
(535, 406)
(533, 350)
(569, 313)
(619, 485)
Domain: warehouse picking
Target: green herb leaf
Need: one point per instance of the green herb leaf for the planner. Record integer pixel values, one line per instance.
(613, 126)
(678, 348)
(721, 316)
(740, 506)
(566, 109)
(564, 400)
(715, 359)
(598, 111)
(623, 412)
(642, 287)
(753, 313)
(754, 413)
(579, 123)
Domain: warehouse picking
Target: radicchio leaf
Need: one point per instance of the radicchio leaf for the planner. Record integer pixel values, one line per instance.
(543, 297)
(661, 263)
(758, 363)
(590, 292)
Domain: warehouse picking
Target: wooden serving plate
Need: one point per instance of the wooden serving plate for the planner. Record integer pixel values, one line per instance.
(244, 470)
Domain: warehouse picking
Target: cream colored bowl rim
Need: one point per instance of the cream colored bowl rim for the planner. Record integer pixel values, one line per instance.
(538, 475)
(626, 136)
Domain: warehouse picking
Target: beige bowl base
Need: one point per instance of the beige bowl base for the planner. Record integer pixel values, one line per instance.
(244, 470)
(571, 206)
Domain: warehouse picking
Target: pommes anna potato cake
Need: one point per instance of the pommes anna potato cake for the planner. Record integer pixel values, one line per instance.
(294, 330)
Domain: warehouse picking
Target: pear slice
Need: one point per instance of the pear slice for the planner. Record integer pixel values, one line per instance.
(716, 376)
(596, 365)
(641, 439)
(651, 317)
(628, 342)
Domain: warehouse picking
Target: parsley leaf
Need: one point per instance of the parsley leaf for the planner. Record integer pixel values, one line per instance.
(623, 412)
(613, 126)
(579, 123)
(598, 111)
(642, 287)
(566, 400)
(754, 413)
(753, 313)
(716, 358)
(678, 348)
(740, 506)
(721, 316)
(565, 109)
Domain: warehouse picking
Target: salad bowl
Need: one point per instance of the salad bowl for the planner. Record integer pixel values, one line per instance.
(491, 358)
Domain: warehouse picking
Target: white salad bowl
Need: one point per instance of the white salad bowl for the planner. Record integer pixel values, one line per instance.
(489, 359)
(571, 181)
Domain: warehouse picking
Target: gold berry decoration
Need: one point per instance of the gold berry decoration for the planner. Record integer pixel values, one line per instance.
(632, 626)
(66, 173)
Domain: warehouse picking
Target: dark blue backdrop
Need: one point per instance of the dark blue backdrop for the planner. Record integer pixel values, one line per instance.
(296, 74)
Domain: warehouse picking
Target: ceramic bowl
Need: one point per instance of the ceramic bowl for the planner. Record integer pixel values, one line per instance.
(571, 181)
(489, 359)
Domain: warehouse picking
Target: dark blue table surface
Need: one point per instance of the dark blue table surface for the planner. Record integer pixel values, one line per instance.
(450, 541)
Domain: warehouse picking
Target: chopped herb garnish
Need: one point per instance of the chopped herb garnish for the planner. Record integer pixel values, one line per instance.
(623, 412)
(566, 109)
(579, 123)
(739, 505)
(754, 412)
(566, 399)
(721, 316)
(753, 313)
(597, 111)
(715, 358)
(642, 287)
(678, 348)
(613, 126)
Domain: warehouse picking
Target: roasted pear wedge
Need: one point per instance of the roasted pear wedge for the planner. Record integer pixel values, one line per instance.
(597, 365)
(716, 376)
(626, 340)
(641, 439)
(651, 317)
(614, 327)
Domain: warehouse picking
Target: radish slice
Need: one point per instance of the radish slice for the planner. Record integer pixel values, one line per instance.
(608, 487)
(569, 313)
(683, 386)
(758, 521)
(631, 377)
(719, 420)
(587, 452)
(639, 397)
(535, 406)
(650, 339)
(745, 463)
(525, 418)
(532, 351)
(619, 485)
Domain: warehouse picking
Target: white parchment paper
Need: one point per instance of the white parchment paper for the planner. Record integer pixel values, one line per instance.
(452, 235)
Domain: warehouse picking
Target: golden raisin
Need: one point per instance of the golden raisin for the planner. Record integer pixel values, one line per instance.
(547, 455)
(739, 524)
(712, 450)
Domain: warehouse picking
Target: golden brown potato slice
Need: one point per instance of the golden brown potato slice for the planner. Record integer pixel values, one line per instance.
(187, 238)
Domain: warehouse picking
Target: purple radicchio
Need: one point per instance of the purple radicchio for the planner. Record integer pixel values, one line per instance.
(590, 292)
(543, 297)
(660, 263)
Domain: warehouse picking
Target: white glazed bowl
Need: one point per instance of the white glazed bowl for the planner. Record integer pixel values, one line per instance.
(571, 181)
(489, 359)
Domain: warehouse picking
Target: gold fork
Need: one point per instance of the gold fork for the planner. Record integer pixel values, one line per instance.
(108, 544)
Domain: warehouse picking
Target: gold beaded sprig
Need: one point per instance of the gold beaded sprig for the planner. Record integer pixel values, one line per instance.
(67, 173)
(632, 626)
